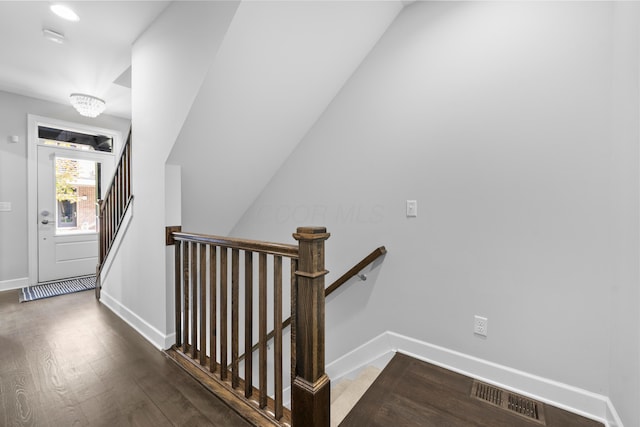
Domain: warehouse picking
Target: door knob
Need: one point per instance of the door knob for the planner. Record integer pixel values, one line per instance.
(45, 214)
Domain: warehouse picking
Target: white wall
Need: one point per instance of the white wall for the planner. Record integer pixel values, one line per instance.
(169, 62)
(13, 172)
(497, 118)
(280, 65)
(623, 183)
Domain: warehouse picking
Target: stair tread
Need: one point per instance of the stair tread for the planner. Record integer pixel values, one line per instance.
(338, 388)
(351, 393)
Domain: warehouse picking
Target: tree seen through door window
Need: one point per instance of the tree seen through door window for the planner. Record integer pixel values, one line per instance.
(75, 196)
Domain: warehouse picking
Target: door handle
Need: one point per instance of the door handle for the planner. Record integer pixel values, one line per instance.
(45, 214)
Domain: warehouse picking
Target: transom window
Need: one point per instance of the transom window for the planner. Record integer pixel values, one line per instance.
(75, 140)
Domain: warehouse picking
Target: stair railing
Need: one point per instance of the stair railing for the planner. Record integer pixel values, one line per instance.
(112, 208)
(353, 271)
(208, 320)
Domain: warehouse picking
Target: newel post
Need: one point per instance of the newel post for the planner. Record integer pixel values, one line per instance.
(177, 277)
(311, 388)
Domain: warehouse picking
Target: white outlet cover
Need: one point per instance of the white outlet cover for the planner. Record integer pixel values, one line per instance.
(480, 325)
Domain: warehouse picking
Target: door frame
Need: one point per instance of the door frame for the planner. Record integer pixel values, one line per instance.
(33, 122)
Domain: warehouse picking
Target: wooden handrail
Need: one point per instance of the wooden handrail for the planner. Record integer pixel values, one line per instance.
(123, 157)
(290, 251)
(377, 253)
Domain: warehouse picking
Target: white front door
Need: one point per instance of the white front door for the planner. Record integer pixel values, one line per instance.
(69, 184)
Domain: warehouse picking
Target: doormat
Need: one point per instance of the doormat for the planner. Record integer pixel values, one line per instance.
(59, 287)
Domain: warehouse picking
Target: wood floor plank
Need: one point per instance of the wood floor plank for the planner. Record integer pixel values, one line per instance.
(74, 417)
(21, 397)
(20, 405)
(401, 411)
(83, 381)
(172, 402)
(103, 410)
(147, 414)
(211, 408)
(54, 393)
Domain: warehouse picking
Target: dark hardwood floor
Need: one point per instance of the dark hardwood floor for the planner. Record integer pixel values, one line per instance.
(410, 392)
(69, 361)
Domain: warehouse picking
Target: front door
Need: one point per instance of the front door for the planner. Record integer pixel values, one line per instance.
(69, 184)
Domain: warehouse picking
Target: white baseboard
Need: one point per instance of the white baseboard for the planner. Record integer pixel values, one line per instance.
(379, 350)
(6, 285)
(169, 340)
(612, 418)
(150, 333)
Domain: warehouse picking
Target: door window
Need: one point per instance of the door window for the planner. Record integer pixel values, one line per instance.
(76, 195)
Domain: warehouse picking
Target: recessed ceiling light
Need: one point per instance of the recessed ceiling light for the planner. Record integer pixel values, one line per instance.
(64, 12)
(53, 36)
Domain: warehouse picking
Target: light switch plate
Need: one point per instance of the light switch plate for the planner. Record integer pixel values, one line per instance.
(412, 208)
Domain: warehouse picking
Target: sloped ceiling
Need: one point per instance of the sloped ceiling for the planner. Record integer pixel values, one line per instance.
(279, 67)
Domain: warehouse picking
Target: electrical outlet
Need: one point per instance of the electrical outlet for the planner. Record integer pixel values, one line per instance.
(480, 325)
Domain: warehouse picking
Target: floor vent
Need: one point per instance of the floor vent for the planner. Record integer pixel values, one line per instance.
(509, 401)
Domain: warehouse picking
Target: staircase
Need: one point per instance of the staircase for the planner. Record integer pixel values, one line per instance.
(227, 292)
